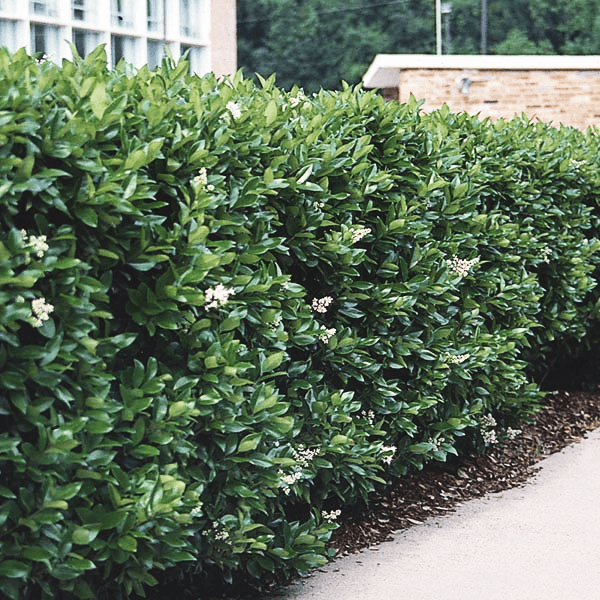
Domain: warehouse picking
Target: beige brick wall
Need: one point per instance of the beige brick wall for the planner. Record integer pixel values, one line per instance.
(223, 37)
(567, 97)
(559, 89)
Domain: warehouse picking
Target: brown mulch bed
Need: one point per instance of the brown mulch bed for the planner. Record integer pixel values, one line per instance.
(438, 489)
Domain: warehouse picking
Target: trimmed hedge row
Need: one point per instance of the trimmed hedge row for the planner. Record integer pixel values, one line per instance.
(228, 311)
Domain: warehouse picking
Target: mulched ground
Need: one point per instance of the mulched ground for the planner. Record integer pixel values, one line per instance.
(437, 490)
(566, 418)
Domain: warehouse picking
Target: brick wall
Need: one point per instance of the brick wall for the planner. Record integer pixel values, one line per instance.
(223, 37)
(561, 89)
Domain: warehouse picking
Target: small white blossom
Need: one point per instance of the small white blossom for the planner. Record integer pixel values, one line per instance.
(234, 109)
(456, 359)
(39, 312)
(218, 296)
(220, 533)
(276, 322)
(320, 304)
(202, 179)
(512, 433)
(304, 455)
(388, 459)
(545, 254)
(326, 334)
(197, 510)
(436, 443)
(461, 266)
(488, 421)
(369, 416)
(36, 243)
(332, 516)
(359, 233)
(489, 436)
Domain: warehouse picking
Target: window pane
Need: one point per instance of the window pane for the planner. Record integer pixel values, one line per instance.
(85, 41)
(156, 51)
(122, 47)
(44, 39)
(43, 7)
(8, 34)
(193, 15)
(156, 15)
(83, 10)
(122, 13)
(198, 58)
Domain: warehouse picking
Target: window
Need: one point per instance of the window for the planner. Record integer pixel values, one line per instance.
(122, 13)
(43, 7)
(193, 18)
(155, 10)
(8, 34)
(6, 5)
(122, 47)
(198, 58)
(85, 41)
(83, 10)
(156, 52)
(44, 39)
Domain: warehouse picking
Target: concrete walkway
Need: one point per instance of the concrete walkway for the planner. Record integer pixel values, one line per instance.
(539, 542)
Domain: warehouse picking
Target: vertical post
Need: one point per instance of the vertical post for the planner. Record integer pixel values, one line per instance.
(438, 26)
(484, 19)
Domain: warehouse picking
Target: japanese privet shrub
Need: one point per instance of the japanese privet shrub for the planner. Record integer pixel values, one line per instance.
(226, 312)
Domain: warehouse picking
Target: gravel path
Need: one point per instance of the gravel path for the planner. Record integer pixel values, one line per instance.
(538, 542)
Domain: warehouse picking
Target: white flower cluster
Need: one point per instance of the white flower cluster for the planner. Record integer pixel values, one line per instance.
(276, 322)
(436, 443)
(388, 459)
(511, 433)
(202, 179)
(220, 533)
(488, 421)
(234, 109)
(197, 510)
(462, 266)
(369, 416)
(488, 434)
(545, 254)
(318, 204)
(39, 312)
(320, 304)
(326, 334)
(456, 359)
(37, 243)
(332, 516)
(296, 100)
(289, 480)
(302, 456)
(217, 296)
(359, 233)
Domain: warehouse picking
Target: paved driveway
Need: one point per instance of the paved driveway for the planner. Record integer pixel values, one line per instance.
(539, 542)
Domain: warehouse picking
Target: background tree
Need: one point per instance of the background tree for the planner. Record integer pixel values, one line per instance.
(320, 43)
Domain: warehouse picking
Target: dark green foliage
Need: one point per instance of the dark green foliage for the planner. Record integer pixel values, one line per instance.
(317, 44)
(257, 306)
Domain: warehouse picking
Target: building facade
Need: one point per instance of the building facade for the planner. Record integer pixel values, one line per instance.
(134, 30)
(564, 90)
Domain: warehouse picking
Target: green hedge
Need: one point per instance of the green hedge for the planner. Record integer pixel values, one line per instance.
(228, 311)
